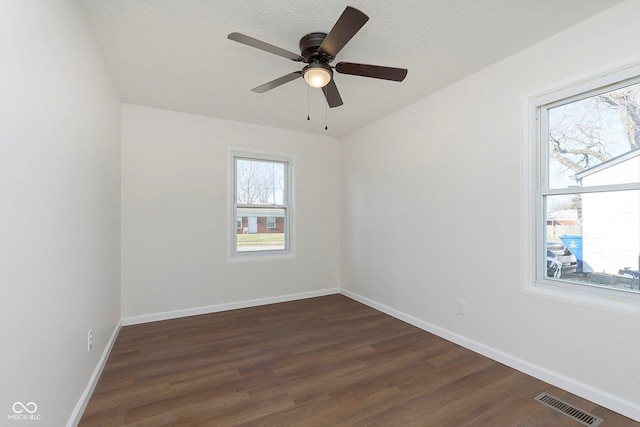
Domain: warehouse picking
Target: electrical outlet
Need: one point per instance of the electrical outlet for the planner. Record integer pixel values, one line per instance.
(461, 307)
(90, 340)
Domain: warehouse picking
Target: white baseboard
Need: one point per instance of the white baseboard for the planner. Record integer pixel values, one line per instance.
(154, 317)
(74, 419)
(615, 403)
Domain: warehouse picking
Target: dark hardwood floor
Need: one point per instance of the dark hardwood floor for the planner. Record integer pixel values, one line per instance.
(327, 361)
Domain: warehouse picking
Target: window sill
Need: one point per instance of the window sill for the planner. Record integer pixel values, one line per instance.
(260, 256)
(619, 302)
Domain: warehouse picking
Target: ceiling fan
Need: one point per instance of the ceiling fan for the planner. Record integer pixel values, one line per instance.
(318, 50)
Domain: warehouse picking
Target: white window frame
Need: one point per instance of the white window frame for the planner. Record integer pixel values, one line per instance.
(534, 162)
(288, 205)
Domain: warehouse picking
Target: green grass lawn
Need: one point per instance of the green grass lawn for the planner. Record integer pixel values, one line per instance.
(261, 239)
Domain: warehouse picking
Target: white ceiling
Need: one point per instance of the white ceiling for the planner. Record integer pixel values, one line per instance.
(174, 54)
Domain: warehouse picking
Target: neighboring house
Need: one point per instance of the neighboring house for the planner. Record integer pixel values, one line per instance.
(257, 220)
(561, 222)
(611, 236)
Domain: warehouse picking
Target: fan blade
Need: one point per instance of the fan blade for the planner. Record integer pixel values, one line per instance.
(258, 44)
(375, 71)
(277, 82)
(330, 92)
(344, 29)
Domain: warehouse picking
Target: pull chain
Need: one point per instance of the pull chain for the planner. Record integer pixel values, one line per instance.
(308, 118)
(326, 114)
(326, 108)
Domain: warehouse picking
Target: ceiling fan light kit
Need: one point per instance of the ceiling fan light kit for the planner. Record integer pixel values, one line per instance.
(317, 75)
(318, 50)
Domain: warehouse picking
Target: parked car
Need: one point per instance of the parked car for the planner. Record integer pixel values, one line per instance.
(559, 252)
(554, 267)
(628, 272)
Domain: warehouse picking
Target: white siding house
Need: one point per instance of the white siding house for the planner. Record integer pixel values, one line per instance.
(610, 220)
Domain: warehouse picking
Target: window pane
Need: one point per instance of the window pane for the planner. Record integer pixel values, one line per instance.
(260, 182)
(256, 233)
(594, 238)
(591, 141)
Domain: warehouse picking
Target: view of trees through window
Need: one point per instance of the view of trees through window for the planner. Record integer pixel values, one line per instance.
(261, 205)
(592, 191)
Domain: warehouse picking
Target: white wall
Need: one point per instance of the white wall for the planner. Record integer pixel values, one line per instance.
(175, 215)
(59, 206)
(431, 213)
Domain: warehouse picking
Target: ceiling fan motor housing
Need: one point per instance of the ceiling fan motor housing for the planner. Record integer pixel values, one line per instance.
(309, 45)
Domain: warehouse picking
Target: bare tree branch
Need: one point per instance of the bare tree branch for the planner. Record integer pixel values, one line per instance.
(558, 154)
(583, 134)
(626, 102)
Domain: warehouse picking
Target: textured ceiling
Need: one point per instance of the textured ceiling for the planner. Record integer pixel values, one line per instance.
(174, 54)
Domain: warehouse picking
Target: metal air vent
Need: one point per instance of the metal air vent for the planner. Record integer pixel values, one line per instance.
(569, 410)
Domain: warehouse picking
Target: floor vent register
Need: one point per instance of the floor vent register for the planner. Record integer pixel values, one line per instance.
(569, 410)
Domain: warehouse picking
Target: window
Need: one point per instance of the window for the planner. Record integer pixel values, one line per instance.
(271, 222)
(261, 204)
(585, 168)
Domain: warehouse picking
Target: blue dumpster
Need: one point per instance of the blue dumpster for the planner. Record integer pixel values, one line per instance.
(574, 243)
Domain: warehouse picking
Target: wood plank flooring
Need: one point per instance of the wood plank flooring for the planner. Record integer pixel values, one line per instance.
(327, 361)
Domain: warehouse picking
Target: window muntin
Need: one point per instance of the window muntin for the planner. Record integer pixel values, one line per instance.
(261, 193)
(588, 187)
